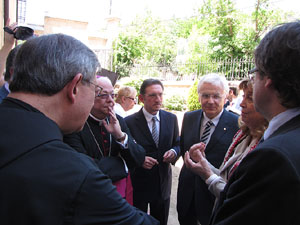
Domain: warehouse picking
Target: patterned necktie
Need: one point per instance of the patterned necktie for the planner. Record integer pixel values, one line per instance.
(154, 130)
(206, 132)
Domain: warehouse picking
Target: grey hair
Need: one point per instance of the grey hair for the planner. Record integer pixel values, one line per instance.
(214, 79)
(46, 64)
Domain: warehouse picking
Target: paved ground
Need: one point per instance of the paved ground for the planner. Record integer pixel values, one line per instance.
(173, 219)
(173, 212)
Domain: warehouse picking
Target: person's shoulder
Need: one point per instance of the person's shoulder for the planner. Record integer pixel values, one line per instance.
(132, 116)
(167, 113)
(230, 115)
(193, 113)
(70, 157)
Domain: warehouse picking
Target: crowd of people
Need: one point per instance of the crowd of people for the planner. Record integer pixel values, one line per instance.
(70, 153)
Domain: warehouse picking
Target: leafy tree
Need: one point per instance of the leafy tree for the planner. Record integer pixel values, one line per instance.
(147, 41)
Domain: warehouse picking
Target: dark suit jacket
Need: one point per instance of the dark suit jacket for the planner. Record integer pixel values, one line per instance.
(155, 183)
(84, 142)
(46, 182)
(192, 187)
(265, 188)
(3, 93)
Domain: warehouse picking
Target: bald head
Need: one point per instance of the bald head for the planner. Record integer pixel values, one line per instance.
(104, 103)
(104, 81)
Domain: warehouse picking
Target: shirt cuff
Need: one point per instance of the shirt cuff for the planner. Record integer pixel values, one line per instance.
(211, 179)
(125, 144)
(173, 150)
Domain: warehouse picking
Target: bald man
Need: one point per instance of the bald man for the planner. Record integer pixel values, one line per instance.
(106, 138)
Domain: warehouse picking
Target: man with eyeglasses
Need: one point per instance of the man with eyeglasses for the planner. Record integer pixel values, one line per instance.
(43, 180)
(265, 187)
(106, 138)
(215, 127)
(157, 131)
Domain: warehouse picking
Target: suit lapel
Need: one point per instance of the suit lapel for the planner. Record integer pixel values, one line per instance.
(197, 122)
(220, 130)
(142, 125)
(163, 129)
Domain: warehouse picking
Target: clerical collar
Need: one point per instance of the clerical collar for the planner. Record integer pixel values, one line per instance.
(96, 119)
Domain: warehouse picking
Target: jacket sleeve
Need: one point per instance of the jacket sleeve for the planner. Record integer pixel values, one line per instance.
(264, 189)
(97, 202)
(176, 138)
(135, 154)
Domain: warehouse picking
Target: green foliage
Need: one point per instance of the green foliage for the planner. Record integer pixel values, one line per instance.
(219, 31)
(175, 102)
(126, 50)
(136, 84)
(193, 99)
(148, 40)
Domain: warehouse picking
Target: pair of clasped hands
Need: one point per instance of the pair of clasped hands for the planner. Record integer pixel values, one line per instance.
(196, 161)
(168, 157)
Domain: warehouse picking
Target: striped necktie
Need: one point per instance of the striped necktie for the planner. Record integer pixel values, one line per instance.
(206, 132)
(155, 134)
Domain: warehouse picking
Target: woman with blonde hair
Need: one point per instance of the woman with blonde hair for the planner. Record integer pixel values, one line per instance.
(126, 99)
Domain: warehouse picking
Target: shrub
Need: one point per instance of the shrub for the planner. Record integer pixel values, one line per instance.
(175, 102)
(136, 84)
(193, 99)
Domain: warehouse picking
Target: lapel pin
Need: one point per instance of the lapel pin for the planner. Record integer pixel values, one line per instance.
(224, 128)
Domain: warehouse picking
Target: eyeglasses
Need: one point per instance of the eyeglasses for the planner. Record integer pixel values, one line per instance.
(133, 99)
(154, 95)
(252, 73)
(98, 89)
(208, 96)
(106, 95)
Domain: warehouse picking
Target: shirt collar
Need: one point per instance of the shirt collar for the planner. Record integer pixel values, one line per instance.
(215, 120)
(279, 120)
(149, 116)
(96, 119)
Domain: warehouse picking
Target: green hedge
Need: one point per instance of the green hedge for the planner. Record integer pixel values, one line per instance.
(193, 99)
(175, 102)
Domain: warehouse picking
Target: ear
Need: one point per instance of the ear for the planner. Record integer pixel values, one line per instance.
(268, 82)
(141, 98)
(72, 87)
(123, 99)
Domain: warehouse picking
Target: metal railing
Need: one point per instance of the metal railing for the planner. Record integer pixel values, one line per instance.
(232, 68)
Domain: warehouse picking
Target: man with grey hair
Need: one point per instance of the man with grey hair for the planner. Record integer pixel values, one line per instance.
(43, 180)
(215, 127)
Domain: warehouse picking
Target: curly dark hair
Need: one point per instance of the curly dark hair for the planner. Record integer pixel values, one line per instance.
(278, 57)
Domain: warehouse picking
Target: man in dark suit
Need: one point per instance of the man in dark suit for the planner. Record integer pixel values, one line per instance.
(43, 180)
(265, 188)
(106, 138)
(157, 131)
(194, 201)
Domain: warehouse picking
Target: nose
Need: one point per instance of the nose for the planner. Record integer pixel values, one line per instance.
(210, 99)
(243, 104)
